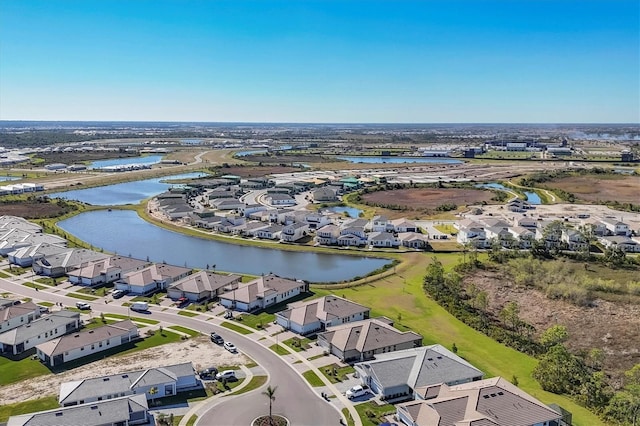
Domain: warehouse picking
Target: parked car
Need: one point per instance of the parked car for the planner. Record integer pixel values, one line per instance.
(208, 373)
(356, 392)
(226, 375)
(182, 301)
(140, 306)
(217, 339)
(83, 306)
(230, 347)
(228, 314)
(117, 294)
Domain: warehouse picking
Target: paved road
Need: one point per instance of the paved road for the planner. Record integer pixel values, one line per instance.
(294, 398)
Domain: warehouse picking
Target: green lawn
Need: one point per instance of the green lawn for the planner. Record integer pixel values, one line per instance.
(446, 229)
(192, 420)
(312, 378)
(33, 285)
(279, 349)
(156, 340)
(298, 344)
(4, 275)
(184, 330)
(82, 296)
(40, 404)
(316, 357)
(15, 371)
(260, 321)
(403, 295)
(97, 322)
(46, 304)
(335, 373)
(371, 413)
(255, 383)
(236, 328)
(347, 415)
(188, 313)
(134, 319)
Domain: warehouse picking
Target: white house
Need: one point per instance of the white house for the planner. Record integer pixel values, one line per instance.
(314, 315)
(403, 225)
(280, 199)
(414, 240)
(360, 340)
(104, 271)
(14, 315)
(494, 402)
(382, 239)
(25, 256)
(27, 336)
(262, 292)
(616, 227)
(324, 194)
(59, 264)
(327, 235)
(623, 243)
(167, 380)
(152, 278)
(396, 375)
(574, 240)
(127, 410)
(73, 346)
(294, 232)
(203, 285)
(272, 232)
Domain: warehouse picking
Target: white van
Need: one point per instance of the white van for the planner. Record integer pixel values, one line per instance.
(139, 306)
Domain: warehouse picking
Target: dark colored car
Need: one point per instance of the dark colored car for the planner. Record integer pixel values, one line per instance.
(217, 339)
(208, 373)
(182, 301)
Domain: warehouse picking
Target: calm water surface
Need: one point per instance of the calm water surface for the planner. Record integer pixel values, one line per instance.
(122, 193)
(351, 211)
(147, 159)
(124, 232)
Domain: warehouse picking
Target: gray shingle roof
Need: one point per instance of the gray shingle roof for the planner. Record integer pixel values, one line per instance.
(39, 327)
(97, 413)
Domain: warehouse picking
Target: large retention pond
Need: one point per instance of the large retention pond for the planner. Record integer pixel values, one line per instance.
(399, 160)
(124, 232)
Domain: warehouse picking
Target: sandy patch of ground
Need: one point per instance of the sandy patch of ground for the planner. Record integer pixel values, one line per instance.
(601, 188)
(427, 198)
(200, 351)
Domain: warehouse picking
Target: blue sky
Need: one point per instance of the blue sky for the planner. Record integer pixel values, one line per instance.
(321, 61)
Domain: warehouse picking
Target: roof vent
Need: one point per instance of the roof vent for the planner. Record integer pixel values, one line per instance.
(94, 407)
(485, 396)
(58, 414)
(105, 379)
(500, 393)
(124, 376)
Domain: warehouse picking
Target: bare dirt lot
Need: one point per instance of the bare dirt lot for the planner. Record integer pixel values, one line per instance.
(200, 351)
(624, 189)
(612, 327)
(257, 171)
(428, 198)
(32, 209)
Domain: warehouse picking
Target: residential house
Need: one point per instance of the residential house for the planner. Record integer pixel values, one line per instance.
(490, 402)
(27, 336)
(126, 410)
(13, 239)
(15, 222)
(403, 225)
(551, 233)
(273, 232)
(227, 204)
(280, 199)
(623, 243)
(574, 240)
(616, 227)
(379, 224)
(105, 271)
(152, 278)
(167, 380)
(228, 223)
(14, 315)
(208, 222)
(59, 264)
(316, 220)
(25, 256)
(519, 206)
(361, 340)
(262, 292)
(327, 235)
(294, 232)
(324, 194)
(526, 222)
(471, 232)
(318, 314)
(524, 237)
(414, 240)
(350, 240)
(382, 239)
(63, 349)
(249, 209)
(397, 375)
(202, 285)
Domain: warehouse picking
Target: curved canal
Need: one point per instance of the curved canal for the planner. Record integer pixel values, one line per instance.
(124, 232)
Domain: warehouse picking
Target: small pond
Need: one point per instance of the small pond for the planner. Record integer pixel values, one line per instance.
(399, 160)
(351, 211)
(147, 159)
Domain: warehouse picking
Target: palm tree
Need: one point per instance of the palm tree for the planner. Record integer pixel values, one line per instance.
(271, 394)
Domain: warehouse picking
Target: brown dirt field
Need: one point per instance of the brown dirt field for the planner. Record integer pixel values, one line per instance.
(612, 327)
(31, 210)
(256, 171)
(624, 189)
(428, 198)
(81, 157)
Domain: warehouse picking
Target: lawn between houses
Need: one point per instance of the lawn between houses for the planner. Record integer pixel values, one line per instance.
(401, 298)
